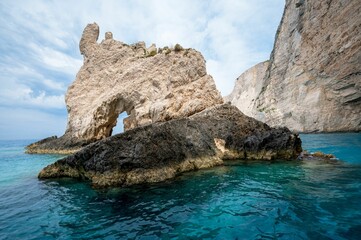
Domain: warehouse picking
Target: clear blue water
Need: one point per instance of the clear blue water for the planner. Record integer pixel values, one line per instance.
(281, 200)
(344, 146)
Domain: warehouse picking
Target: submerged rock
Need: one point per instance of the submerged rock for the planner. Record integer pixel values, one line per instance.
(162, 150)
(319, 157)
(312, 82)
(116, 77)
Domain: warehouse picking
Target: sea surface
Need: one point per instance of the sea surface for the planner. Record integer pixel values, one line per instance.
(242, 200)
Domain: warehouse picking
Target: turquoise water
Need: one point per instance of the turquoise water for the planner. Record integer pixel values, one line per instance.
(344, 146)
(281, 200)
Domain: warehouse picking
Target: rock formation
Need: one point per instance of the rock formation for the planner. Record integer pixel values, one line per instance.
(313, 78)
(162, 150)
(247, 89)
(150, 84)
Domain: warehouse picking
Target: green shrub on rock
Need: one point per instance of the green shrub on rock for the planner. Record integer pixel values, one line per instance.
(178, 48)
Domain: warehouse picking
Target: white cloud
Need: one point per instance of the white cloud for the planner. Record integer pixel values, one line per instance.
(43, 100)
(54, 85)
(17, 95)
(26, 97)
(23, 123)
(56, 60)
(20, 72)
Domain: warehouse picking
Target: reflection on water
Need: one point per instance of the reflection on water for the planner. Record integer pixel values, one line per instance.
(282, 200)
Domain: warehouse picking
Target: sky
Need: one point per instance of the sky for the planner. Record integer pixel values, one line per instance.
(39, 47)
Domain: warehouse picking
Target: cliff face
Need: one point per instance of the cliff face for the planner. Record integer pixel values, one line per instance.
(150, 84)
(247, 89)
(313, 81)
(161, 151)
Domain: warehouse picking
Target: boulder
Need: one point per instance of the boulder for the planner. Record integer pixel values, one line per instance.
(162, 150)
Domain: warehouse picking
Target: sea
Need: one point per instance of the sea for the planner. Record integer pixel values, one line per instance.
(240, 200)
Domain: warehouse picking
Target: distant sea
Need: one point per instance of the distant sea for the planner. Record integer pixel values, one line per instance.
(242, 200)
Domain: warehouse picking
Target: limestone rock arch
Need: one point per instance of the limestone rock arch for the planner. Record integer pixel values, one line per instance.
(150, 84)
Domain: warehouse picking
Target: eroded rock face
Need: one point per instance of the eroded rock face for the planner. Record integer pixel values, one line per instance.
(150, 84)
(247, 89)
(150, 87)
(313, 79)
(162, 150)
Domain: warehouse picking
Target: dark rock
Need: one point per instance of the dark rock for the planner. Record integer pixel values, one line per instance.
(55, 145)
(160, 151)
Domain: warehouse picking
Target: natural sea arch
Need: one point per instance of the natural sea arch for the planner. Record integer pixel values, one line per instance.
(119, 127)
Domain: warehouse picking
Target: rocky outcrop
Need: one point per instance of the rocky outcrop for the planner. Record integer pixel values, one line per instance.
(150, 84)
(313, 81)
(162, 150)
(55, 145)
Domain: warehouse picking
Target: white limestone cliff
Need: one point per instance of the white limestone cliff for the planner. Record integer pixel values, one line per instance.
(313, 81)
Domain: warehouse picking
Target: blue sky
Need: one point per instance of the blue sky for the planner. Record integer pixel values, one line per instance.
(39, 54)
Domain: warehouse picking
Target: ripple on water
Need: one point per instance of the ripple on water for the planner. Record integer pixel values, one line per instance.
(283, 200)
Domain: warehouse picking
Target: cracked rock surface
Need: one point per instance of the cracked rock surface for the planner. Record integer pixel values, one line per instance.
(312, 81)
(162, 150)
(149, 84)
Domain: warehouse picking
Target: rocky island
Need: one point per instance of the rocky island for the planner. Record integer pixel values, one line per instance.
(312, 82)
(177, 119)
